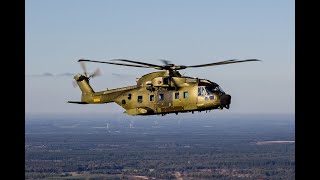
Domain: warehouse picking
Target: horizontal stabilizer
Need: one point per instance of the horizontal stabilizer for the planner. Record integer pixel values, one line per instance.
(76, 102)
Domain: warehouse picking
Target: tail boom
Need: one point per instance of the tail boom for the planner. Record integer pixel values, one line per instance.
(89, 96)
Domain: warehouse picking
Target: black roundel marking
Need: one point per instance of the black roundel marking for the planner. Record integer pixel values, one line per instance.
(123, 101)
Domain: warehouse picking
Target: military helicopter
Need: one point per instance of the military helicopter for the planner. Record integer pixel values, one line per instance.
(158, 93)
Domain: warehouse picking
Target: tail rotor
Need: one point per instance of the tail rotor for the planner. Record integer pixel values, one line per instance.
(85, 75)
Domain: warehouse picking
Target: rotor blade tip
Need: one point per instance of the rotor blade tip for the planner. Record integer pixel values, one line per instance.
(82, 60)
(255, 59)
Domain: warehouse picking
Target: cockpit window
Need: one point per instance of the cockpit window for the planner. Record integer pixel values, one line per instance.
(204, 90)
(209, 92)
(201, 91)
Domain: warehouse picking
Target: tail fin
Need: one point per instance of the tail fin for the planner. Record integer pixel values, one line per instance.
(83, 83)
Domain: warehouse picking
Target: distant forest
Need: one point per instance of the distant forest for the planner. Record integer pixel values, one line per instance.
(159, 149)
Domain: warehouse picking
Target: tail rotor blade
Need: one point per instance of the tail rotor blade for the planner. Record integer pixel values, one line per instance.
(96, 73)
(84, 68)
(74, 84)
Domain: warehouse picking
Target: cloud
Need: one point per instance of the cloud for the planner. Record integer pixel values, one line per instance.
(66, 74)
(47, 74)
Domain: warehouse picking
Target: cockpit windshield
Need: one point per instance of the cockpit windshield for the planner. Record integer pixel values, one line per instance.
(206, 87)
(209, 90)
(218, 89)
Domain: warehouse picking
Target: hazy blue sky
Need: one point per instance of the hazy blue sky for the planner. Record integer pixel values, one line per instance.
(58, 33)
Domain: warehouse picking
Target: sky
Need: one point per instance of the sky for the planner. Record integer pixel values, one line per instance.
(186, 32)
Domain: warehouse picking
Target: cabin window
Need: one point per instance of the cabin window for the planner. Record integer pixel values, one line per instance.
(139, 99)
(161, 97)
(176, 95)
(151, 97)
(185, 94)
(129, 96)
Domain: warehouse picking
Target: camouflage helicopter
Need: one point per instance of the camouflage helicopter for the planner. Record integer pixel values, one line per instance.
(158, 93)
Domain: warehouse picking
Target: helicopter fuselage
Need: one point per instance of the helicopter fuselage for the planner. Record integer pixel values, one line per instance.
(160, 93)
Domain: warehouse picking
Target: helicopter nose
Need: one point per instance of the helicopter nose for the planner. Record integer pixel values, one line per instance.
(225, 100)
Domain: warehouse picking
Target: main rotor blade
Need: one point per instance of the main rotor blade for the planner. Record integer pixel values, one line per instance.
(166, 62)
(174, 83)
(120, 64)
(137, 62)
(222, 63)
